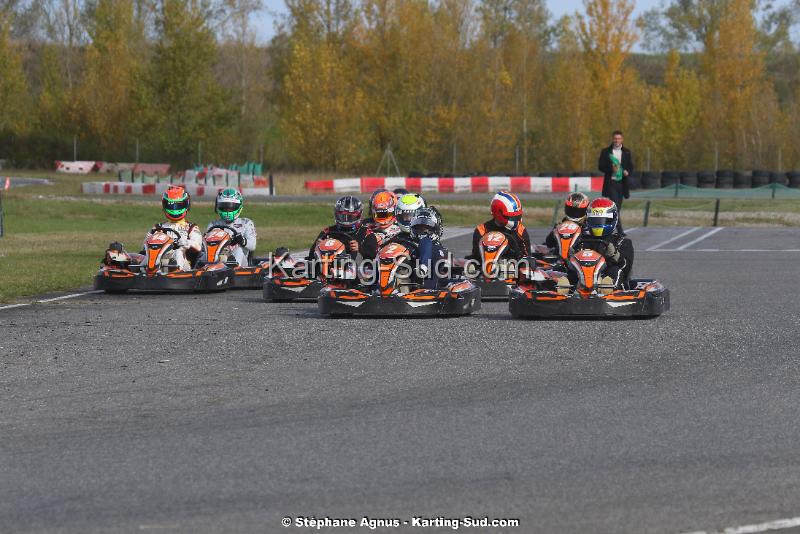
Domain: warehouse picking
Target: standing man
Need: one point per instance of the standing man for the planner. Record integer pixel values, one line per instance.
(616, 163)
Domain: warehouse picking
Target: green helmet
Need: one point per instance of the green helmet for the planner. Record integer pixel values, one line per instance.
(406, 208)
(229, 204)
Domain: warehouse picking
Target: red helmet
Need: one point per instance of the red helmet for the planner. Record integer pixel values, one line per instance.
(575, 207)
(602, 217)
(506, 209)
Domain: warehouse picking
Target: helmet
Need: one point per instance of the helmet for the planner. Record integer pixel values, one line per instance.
(347, 213)
(407, 207)
(426, 222)
(175, 203)
(383, 204)
(400, 191)
(506, 209)
(602, 217)
(575, 207)
(229, 204)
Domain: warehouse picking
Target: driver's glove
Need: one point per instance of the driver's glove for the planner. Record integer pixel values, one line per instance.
(240, 240)
(183, 242)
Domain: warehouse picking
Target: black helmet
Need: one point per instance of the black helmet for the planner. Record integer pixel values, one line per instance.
(347, 213)
(426, 222)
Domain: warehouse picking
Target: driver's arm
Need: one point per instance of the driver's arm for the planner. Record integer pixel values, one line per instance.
(195, 239)
(476, 249)
(250, 236)
(526, 243)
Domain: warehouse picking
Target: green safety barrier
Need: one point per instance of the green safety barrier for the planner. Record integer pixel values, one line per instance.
(685, 191)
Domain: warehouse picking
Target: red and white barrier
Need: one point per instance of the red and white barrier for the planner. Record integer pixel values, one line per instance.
(195, 190)
(468, 184)
(75, 167)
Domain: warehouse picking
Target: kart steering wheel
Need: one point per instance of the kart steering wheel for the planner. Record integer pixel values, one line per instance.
(159, 228)
(234, 232)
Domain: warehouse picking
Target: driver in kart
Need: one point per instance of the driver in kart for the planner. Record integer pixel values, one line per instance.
(602, 235)
(575, 211)
(175, 203)
(382, 225)
(228, 205)
(506, 219)
(426, 230)
(347, 220)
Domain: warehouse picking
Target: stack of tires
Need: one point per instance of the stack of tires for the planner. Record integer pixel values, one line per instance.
(760, 178)
(725, 179)
(670, 178)
(635, 180)
(549, 174)
(743, 179)
(707, 179)
(778, 178)
(689, 179)
(651, 180)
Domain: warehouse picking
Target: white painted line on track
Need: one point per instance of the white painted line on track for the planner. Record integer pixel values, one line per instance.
(778, 524)
(71, 296)
(675, 238)
(54, 299)
(702, 237)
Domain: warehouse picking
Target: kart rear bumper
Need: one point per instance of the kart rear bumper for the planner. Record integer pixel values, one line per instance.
(210, 278)
(494, 289)
(650, 299)
(344, 302)
(290, 289)
(248, 277)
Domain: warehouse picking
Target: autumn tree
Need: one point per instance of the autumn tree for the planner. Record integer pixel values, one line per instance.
(734, 86)
(322, 115)
(13, 85)
(112, 72)
(184, 105)
(673, 117)
(607, 34)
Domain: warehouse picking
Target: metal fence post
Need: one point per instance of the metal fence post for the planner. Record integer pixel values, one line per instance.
(716, 213)
(646, 213)
(676, 189)
(271, 185)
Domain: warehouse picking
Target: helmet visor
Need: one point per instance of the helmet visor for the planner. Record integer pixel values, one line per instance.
(228, 206)
(176, 209)
(383, 216)
(574, 212)
(600, 226)
(404, 218)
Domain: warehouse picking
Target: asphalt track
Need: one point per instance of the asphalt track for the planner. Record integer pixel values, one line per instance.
(222, 413)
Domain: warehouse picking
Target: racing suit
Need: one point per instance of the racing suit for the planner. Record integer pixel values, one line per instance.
(617, 249)
(550, 240)
(519, 236)
(429, 253)
(188, 247)
(376, 237)
(247, 230)
(358, 235)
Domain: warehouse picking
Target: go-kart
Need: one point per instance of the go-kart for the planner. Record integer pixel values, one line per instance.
(217, 243)
(398, 292)
(156, 270)
(302, 281)
(549, 294)
(499, 263)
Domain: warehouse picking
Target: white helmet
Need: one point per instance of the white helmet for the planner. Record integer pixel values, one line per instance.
(407, 206)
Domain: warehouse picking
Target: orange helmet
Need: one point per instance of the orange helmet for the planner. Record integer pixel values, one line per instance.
(383, 205)
(175, 203)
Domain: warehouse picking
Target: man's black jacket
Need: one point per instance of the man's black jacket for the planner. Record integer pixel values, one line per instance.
(607, 168)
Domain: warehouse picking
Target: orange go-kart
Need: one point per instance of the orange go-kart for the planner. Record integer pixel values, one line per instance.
(217, 243)
(155, 270)
(302, 281)
(398, 292)
(548, 294)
